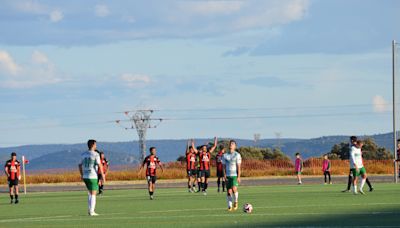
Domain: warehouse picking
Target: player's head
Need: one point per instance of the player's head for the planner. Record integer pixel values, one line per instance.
(204, 148)
(191, 150)
(359, 143)
(14, 156)
(398, 143)
(297, 155)
(153, 150)
(92, 144)
(222, 149)
(232, 145)
(353, 139)
(101, 153)
(325, 156)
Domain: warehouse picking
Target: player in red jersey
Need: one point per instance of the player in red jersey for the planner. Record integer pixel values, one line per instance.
(105, 164)
(151, 162)
(191, 167)
(12, 169)
(220, 169)
(205, 163)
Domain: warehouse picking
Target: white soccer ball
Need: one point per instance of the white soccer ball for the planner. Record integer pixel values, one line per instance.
(247, 208)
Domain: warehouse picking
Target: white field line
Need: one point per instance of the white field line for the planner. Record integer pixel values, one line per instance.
(70, 217)
(81, 218)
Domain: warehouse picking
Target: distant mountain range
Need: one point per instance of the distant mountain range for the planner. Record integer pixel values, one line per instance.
(66, 156)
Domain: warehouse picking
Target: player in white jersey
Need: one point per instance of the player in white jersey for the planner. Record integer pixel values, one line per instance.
(88, 168)
(232, 166)
(356, 165)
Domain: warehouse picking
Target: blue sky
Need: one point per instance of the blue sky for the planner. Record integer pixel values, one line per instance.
(310, 68)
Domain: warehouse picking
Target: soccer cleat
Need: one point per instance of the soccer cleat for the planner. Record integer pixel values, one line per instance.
(325, 183)
(229, 208)
(346, 190)
(12, 201)
(151, 197)
(371, 189)
(93, 214)
(235, 206)
(361, 192)
(330, 182)
(16, 201)
(190, 190)
(204, 193)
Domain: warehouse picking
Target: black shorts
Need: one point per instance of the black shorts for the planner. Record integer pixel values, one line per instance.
(198, 173)
(220, 173)
(151, 179)
(205, 173)
(12, 183)
(192, 172)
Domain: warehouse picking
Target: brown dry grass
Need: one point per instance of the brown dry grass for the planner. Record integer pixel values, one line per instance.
(250, 168)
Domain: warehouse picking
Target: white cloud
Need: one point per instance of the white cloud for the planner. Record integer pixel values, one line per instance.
(30, 7)
(273, 13)
(135, 80)
(39, 58)
(7, 63)
(380, 105)
(211, 7)
(37, 73)
(56, 15)
(101, 10)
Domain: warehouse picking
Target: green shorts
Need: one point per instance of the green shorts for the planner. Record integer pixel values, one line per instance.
(360, 172)
(231, 182)
(92, 184)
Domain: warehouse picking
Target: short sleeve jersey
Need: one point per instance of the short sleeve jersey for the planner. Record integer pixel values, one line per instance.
(218, 160)
(13, 168)
(355, 157)
(190, 161)
(205, 159)
(230, 161)
(105, 164)
(90, 161)
(151, 162)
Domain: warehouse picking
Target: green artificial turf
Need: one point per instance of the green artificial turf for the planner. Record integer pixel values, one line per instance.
(306, 205)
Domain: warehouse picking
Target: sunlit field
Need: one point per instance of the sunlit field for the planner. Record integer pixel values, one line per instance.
(305, 205)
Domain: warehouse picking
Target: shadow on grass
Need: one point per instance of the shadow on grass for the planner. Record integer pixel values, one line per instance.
(388, 217)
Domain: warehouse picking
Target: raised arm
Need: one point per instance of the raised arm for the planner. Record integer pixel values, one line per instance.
(215, 145)
(194, 148)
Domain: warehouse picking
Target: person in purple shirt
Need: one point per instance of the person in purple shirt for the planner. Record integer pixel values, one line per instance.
(298, 167)
(326, 168)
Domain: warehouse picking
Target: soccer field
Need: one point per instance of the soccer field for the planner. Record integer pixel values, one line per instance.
(307, 205)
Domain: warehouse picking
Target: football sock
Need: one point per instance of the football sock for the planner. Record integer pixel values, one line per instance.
(362, 184)
(236, 197)
(349, 183)
(218, 183)
(12, 197)
(223, 185)
(229, 201)
(355, 188)
(90, 202)
(189, 186)
(199, 185)
(93, 203)
(16, 196)
(368, 183)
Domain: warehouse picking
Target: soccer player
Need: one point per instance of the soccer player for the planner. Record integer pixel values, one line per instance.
(298, 167)
(357, 166)
(220, 169)
(232, 166)
(12, 169)
(90, 164)
(205, 163)
(326, 168)
(105, 164)
(353, 141)
(151, 162)
(191, 168)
